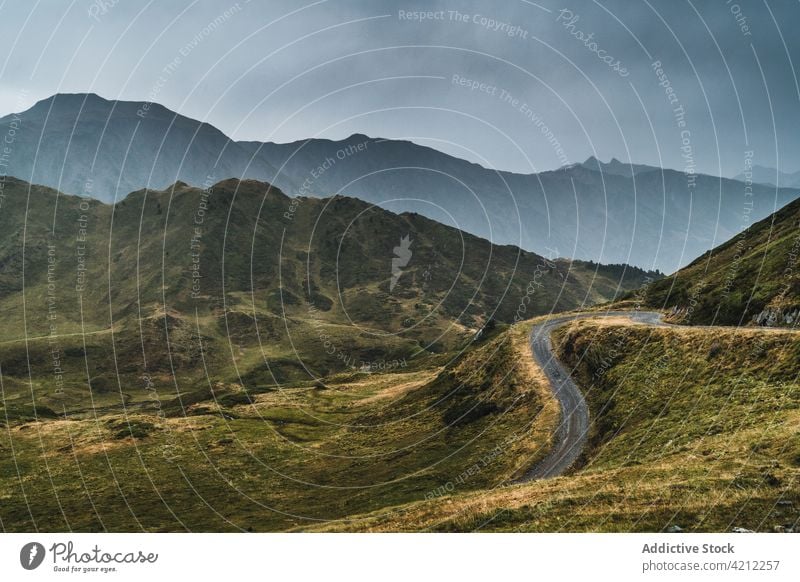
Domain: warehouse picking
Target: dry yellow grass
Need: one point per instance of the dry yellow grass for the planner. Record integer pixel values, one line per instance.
(398, 388)
(719, 456)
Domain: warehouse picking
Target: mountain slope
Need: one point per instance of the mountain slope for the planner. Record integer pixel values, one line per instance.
(607, 213)
(241, 283)
(270, 460)
(752, 278)
(84, 144)
(692, 427)
(285, 359)
(654, 218)
(614, 166)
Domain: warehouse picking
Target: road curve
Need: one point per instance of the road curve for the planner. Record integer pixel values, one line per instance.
(573, 428)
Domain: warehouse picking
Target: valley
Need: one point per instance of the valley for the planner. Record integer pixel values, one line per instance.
(191, 340)
(680, 439)
(228, 358)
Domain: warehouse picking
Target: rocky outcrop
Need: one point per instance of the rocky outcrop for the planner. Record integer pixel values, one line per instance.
(776, 316)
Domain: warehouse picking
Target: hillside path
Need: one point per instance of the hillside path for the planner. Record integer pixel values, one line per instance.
(573, 427)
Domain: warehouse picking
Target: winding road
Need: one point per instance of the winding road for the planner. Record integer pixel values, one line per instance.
(573, 427)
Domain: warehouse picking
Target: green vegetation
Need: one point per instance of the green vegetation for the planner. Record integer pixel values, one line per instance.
(289, 387)
(752, 278)
(282, 458)
(285, 384)
(691, 427)
(241, 284)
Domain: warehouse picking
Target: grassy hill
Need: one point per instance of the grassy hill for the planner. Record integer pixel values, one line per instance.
(691, 427)
(231, 358)
(238, 283)
(275, 460)
(607, 212)
(754, 278)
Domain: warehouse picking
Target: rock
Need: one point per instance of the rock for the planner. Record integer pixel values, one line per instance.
(674, 529)
(742, 530)
(779, 529)
(772, 316)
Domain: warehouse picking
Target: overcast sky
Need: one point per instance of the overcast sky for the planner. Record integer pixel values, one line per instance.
(285, 70)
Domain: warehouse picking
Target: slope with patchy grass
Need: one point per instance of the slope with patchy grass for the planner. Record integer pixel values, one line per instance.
(691, 427)
(239, 283)
(224, 459)
(752, 278)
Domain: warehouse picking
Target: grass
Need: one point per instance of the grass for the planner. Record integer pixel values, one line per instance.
(248, 408)
(732, 284)
(691, 427)
(279, 459)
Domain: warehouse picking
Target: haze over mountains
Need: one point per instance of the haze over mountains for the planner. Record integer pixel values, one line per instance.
(772, 177)
(608, 213)
(247, 237)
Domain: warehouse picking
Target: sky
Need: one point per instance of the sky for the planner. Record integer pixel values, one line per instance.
(514, 84)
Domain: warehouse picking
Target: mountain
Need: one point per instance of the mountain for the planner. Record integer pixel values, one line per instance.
(771, 177)
(85, 145)
(240, 282)
(616, 167)
(341, 354)
(754, 278)
(656, 218)
(607, 213)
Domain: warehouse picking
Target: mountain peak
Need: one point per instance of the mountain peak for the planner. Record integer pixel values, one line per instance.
(616, 167)
(593, 161)
(71, 99)
(92, 104)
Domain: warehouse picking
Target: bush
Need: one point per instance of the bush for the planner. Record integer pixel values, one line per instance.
(236, 399)
(137, 429)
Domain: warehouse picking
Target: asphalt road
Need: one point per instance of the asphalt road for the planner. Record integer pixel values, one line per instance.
(573, 427)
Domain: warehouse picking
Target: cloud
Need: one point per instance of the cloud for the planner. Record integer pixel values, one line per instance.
(284, 71)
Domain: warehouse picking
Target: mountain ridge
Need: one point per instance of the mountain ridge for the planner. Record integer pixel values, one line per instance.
(612, 213)
(770, 177)
(751, 279)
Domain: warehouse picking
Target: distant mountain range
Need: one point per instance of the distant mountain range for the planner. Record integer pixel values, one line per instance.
(607, 213)
(616, 167)
(772, 177)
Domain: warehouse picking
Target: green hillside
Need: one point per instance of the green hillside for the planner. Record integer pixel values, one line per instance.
(239, 284)
(279, 459)
(754, 278)
(691, 428)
